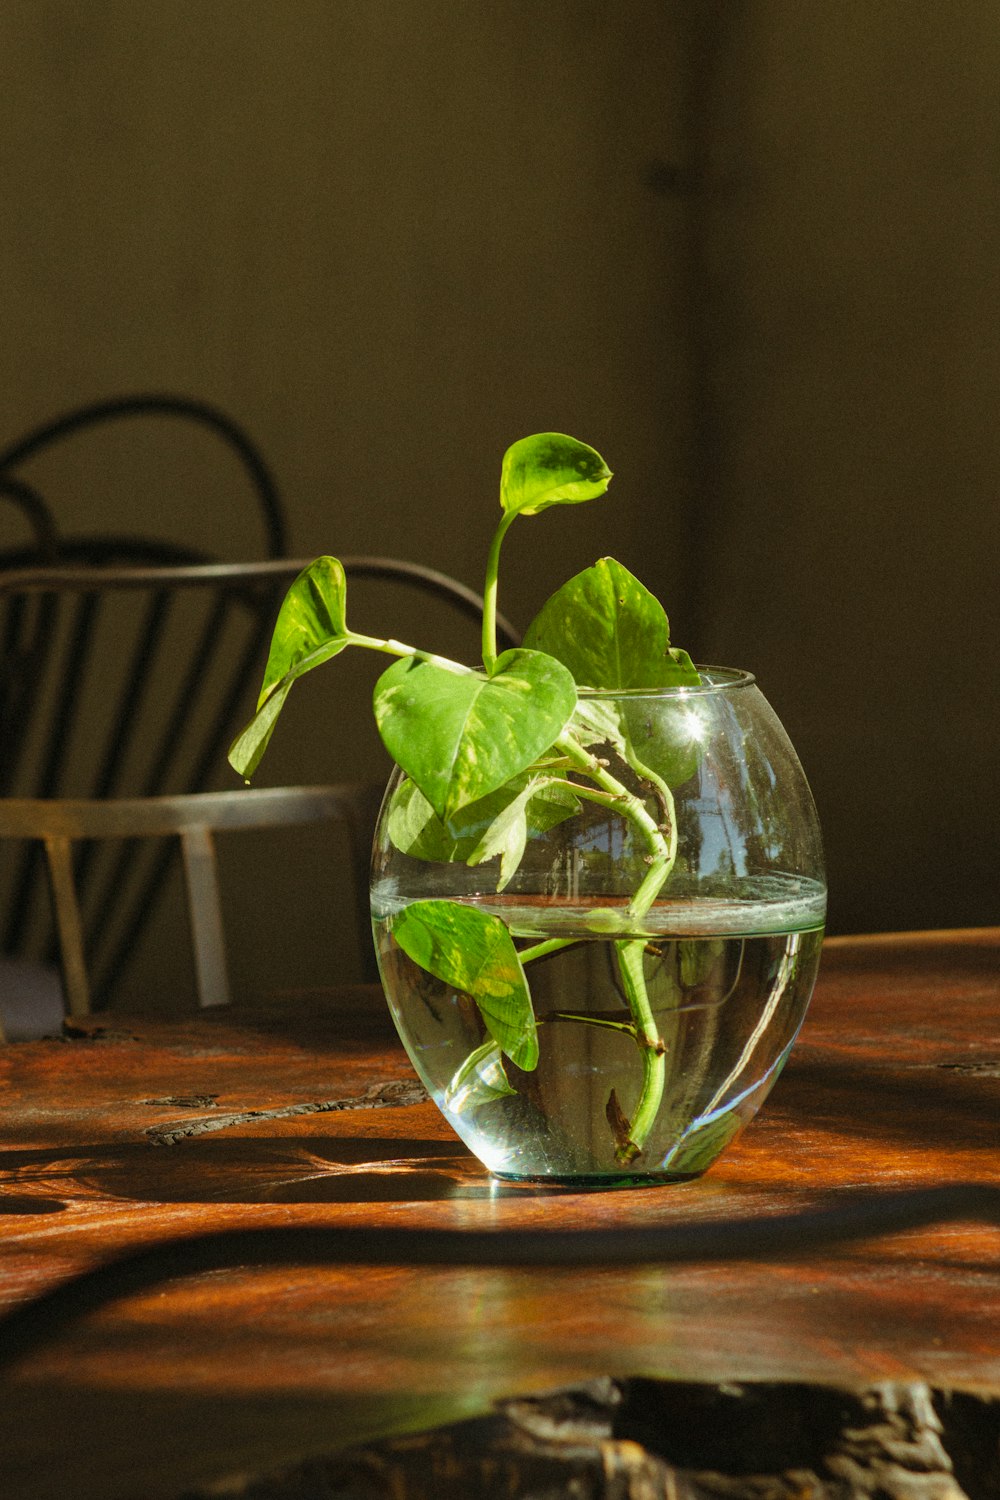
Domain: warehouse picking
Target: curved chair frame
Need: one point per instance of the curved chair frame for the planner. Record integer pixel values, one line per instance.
(155, 404)
(29, 502)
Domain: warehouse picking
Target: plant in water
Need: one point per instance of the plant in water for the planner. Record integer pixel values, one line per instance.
(497, 755)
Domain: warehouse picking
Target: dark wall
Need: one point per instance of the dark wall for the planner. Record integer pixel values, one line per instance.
(747, 250)
(850, 454)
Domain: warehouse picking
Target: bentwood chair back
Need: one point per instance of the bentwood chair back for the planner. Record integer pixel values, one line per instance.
(58, 655)
(127, 664)
(118, 704)
(265, 510)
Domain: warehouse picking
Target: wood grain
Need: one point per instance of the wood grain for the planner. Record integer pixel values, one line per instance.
(894, 1085)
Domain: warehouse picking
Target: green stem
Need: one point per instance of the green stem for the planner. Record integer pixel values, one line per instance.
(541, 950)
(663, 793)
(663, 853)
(651, 1045)
(663, 850)
(566, 1015)
(490, 593)
(400, 648)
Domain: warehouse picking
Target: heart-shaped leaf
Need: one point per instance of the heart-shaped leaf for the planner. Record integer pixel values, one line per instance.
(550, 469)
(459, 735)
(613, 634)
(311, 628)
(416, 829)
(610, 631)
(474, 952)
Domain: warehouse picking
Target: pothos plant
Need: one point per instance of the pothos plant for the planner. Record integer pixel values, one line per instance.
(496, 754)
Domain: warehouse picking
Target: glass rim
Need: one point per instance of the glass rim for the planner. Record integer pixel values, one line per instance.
(715, 680)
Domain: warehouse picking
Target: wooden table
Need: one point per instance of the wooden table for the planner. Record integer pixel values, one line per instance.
(128, 1132)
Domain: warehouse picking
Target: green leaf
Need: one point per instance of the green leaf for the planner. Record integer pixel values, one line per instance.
(596, 721)
(416, 829)
(247, 750)
(506, 836)
(474, 952)
(538, 806)
(313, 616)
(459, 736)
(610, 631)
(550, 469)
(480, 1080)
(310, 629)
(662, 739)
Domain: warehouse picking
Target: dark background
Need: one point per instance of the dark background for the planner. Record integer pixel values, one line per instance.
(750, 251)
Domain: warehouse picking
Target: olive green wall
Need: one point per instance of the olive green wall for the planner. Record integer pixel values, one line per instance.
(748, 250)
(851, 457)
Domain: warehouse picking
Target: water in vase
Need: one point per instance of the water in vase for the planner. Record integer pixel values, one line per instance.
(728, 983)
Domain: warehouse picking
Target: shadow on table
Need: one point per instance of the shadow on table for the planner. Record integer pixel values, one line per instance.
(939, 1104)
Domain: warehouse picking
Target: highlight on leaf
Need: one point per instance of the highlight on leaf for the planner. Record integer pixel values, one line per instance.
(313, 613)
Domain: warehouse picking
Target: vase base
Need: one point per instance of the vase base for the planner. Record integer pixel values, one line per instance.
(596, 1181)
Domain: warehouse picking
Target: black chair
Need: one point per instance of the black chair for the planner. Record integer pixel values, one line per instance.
(127, 662)
(30, 630)
(172, 687)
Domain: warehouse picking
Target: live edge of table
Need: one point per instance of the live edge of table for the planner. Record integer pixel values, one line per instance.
(129, 1130)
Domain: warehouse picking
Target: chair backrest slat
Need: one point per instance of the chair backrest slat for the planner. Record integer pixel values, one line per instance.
(28, 626)
(80, 625)
(149, 639)
(185, 699)
(123, 722)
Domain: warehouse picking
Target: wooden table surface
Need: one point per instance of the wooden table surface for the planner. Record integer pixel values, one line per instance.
(126, 1133)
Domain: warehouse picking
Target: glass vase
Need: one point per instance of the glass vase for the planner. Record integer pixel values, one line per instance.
(667, 988)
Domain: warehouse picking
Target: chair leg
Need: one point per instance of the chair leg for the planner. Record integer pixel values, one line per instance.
(205, 912)
(59, 855)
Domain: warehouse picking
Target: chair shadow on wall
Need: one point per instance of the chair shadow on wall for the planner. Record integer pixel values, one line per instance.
(126, 665)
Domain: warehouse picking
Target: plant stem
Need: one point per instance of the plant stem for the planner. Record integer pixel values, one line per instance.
(490, 593)
(568, 1015)
(663, 852)
(651, 1045)
(541, 950)
(663, 793)
(400, 648)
